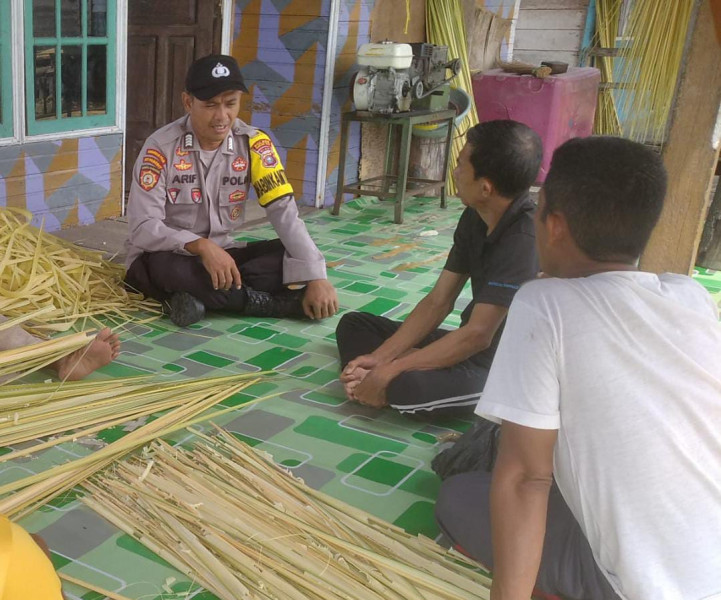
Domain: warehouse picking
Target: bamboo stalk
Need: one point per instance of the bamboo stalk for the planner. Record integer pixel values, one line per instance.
(230, 518)
(93, 588)
(34, 490)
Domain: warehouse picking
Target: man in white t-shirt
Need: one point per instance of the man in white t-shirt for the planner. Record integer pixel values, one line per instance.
(608, 380)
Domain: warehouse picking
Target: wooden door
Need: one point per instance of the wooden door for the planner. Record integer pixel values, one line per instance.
(164, 38)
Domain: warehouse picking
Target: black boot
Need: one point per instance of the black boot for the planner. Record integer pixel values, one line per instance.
(254, 303)
(185, 309)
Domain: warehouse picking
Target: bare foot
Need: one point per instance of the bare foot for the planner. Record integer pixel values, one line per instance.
(353, 381)
(98, 353)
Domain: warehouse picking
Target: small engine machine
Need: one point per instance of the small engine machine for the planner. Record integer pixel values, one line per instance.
(393, 76)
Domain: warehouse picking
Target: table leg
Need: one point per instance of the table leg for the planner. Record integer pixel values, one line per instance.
(345, 123)
(449, 141)
(402, 179)
(388, 164)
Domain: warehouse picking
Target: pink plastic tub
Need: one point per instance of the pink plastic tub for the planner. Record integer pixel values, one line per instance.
(558, 108)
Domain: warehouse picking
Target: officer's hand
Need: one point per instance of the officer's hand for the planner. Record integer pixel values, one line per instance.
(320, 299)
(220, 265)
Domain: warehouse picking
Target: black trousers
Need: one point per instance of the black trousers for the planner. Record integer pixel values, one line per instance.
(160, 274)
(567, 569)
(453, 391)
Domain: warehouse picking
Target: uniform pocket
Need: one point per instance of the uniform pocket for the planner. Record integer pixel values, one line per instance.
(181, 206)
(232, 208)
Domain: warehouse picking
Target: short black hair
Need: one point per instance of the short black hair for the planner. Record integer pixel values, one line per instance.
(610, 190)
(507, 153)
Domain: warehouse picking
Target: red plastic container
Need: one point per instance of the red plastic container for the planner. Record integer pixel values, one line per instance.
(558, 107)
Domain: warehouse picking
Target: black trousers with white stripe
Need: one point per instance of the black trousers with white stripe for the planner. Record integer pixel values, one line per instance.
(453, 391)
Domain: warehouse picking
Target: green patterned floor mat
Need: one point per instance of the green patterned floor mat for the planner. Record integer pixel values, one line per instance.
(375, 460)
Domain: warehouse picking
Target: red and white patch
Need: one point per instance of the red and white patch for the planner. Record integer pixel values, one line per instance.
(236, 212)
(183, 165)
(240, 164)
(173, 194)
(264, 149)
(180, 152)
(196, 195)
(148, 178)
(237, 196)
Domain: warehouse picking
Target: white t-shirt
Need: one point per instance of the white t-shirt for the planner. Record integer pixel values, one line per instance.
(627, 366)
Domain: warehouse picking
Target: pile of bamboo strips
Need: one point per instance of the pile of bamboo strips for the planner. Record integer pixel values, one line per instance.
(74, 285)
(232, 520)
(189, 398)
(445, 26)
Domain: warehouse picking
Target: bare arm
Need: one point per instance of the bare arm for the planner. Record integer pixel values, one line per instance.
(521, 482)
(424, 318)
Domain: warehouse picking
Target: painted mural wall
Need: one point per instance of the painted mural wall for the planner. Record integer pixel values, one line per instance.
(64, 182)
(281, 48)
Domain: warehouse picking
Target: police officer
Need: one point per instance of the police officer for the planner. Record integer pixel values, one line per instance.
(187, 200)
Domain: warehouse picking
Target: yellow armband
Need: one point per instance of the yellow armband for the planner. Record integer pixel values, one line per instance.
(266, 170)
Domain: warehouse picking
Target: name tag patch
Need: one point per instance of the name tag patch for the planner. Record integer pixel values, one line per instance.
(186, 178)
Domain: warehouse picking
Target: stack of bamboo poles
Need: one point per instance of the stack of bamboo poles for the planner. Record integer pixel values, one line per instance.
(46, 409)
(40, 271)
(657, 33)
(445, 26)
(653, 42)
(243, 528)
(608, 13)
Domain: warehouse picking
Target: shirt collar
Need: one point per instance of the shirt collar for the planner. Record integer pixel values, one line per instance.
(189, 141)
(521, 204)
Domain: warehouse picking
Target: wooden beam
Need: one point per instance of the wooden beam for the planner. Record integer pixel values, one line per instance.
(689, 154)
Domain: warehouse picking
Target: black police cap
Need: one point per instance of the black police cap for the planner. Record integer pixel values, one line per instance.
(212, 75)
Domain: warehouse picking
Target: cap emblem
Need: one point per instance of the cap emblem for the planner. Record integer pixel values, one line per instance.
(220, 70)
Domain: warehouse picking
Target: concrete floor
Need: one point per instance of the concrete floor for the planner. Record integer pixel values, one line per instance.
(109, 236)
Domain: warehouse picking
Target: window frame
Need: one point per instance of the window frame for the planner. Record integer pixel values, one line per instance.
(6, 72)
(84, 122)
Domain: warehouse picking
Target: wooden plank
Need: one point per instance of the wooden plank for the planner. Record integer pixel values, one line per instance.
(689, 154)
(709, 253)
(553, 4)
(384, 28)
(537, 39)
(552, 19)
(534, 57)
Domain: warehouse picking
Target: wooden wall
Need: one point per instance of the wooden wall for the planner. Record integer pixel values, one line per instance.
(550, 30)
(281, 48)
(66, 182)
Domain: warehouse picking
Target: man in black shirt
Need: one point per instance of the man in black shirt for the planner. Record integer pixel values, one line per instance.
(415, 367)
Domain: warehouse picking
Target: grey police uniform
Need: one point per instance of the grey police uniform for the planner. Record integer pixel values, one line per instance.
(176, 198)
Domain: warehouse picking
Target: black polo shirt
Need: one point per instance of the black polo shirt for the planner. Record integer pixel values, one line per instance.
(498, 263)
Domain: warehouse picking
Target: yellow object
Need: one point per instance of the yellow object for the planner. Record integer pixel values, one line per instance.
(25, 572)
(266, 170)
(65, 285)
(445, 26)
